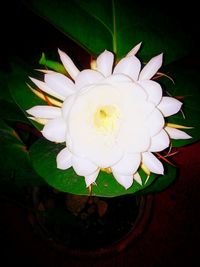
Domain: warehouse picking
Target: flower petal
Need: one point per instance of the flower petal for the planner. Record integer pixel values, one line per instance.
(169, 106)
(45, 88)
(64, 159)
(55, 130)
(68, 64)
(130, 66)
(134, 50)
(159, 141)
(177, 134)
(105, 63)
(128, 164)
(45, 112)
(155, 122)
(87, 77)
(125, 180)
(60, 84)
(151, 68)
(137, 178)
(83, 166)
(117, 78)
(67, 104)
(152, 163)
(91, 178)
(153, 90)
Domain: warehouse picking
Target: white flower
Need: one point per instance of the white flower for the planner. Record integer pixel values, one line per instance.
(109, 118)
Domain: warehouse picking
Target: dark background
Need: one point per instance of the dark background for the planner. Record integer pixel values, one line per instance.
(172, 237)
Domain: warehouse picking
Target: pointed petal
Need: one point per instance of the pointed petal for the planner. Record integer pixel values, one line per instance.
(60, 83)
(134, 50)
(64, 159)
(159, 141)
(151, 68)
(91, 178)
(155, 122)
(45, 88)
(153, 90)
(40, 121)
(177, 134)
(83, 166)
(169, 106)
(137, 178)
(45, 112)
(105, 63)
(152, 163)
(117, 78)
(55, 130)
(130, 66)
(128, 164)
(125, 180)
(68, 64)
(67, 104)
(87, 77)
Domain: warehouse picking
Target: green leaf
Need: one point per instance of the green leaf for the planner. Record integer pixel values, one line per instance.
(16, 169)
(116, 26)
(187, 86)
(54, 65)
(68, 181)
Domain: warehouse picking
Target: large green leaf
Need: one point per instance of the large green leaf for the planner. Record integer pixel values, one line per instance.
(43, 156)
(185, 86)
(16, 169)
(116, 25)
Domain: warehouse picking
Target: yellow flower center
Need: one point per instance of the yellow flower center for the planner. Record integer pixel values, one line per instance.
(105, 118)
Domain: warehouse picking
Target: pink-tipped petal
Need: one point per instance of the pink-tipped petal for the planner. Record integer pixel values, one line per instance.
(130, 66)
(151, 68)
(68, 64)
(152, 163)
(55, 130)
(83, 166)
(128, 164)
(105, 63)
(60, 83)
(159, 141)
(91, 178)
(64, 159)
(125, 180)
(169, 106)
(153, 90)
(87, 77)
(46, 89)
(45, 112)
(177, 134)
(134, 50)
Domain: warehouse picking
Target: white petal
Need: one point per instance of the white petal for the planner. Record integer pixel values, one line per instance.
(83, 166)
(117, 78)
(155, 122)
(152, 163)
(169, 106)
(105, 63)
(159, 141)
(45, 88)
(55, 130)
(45, 112)
(91, 178)
(153, 90)
(128, 164)
(137, 178)
(68, 64)
(125, 180)
(67, 104)
(88, 77)
(130, 66)
(134, 50)
(177, 134)
(151, 68)
(64, 159)
(60, 83)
